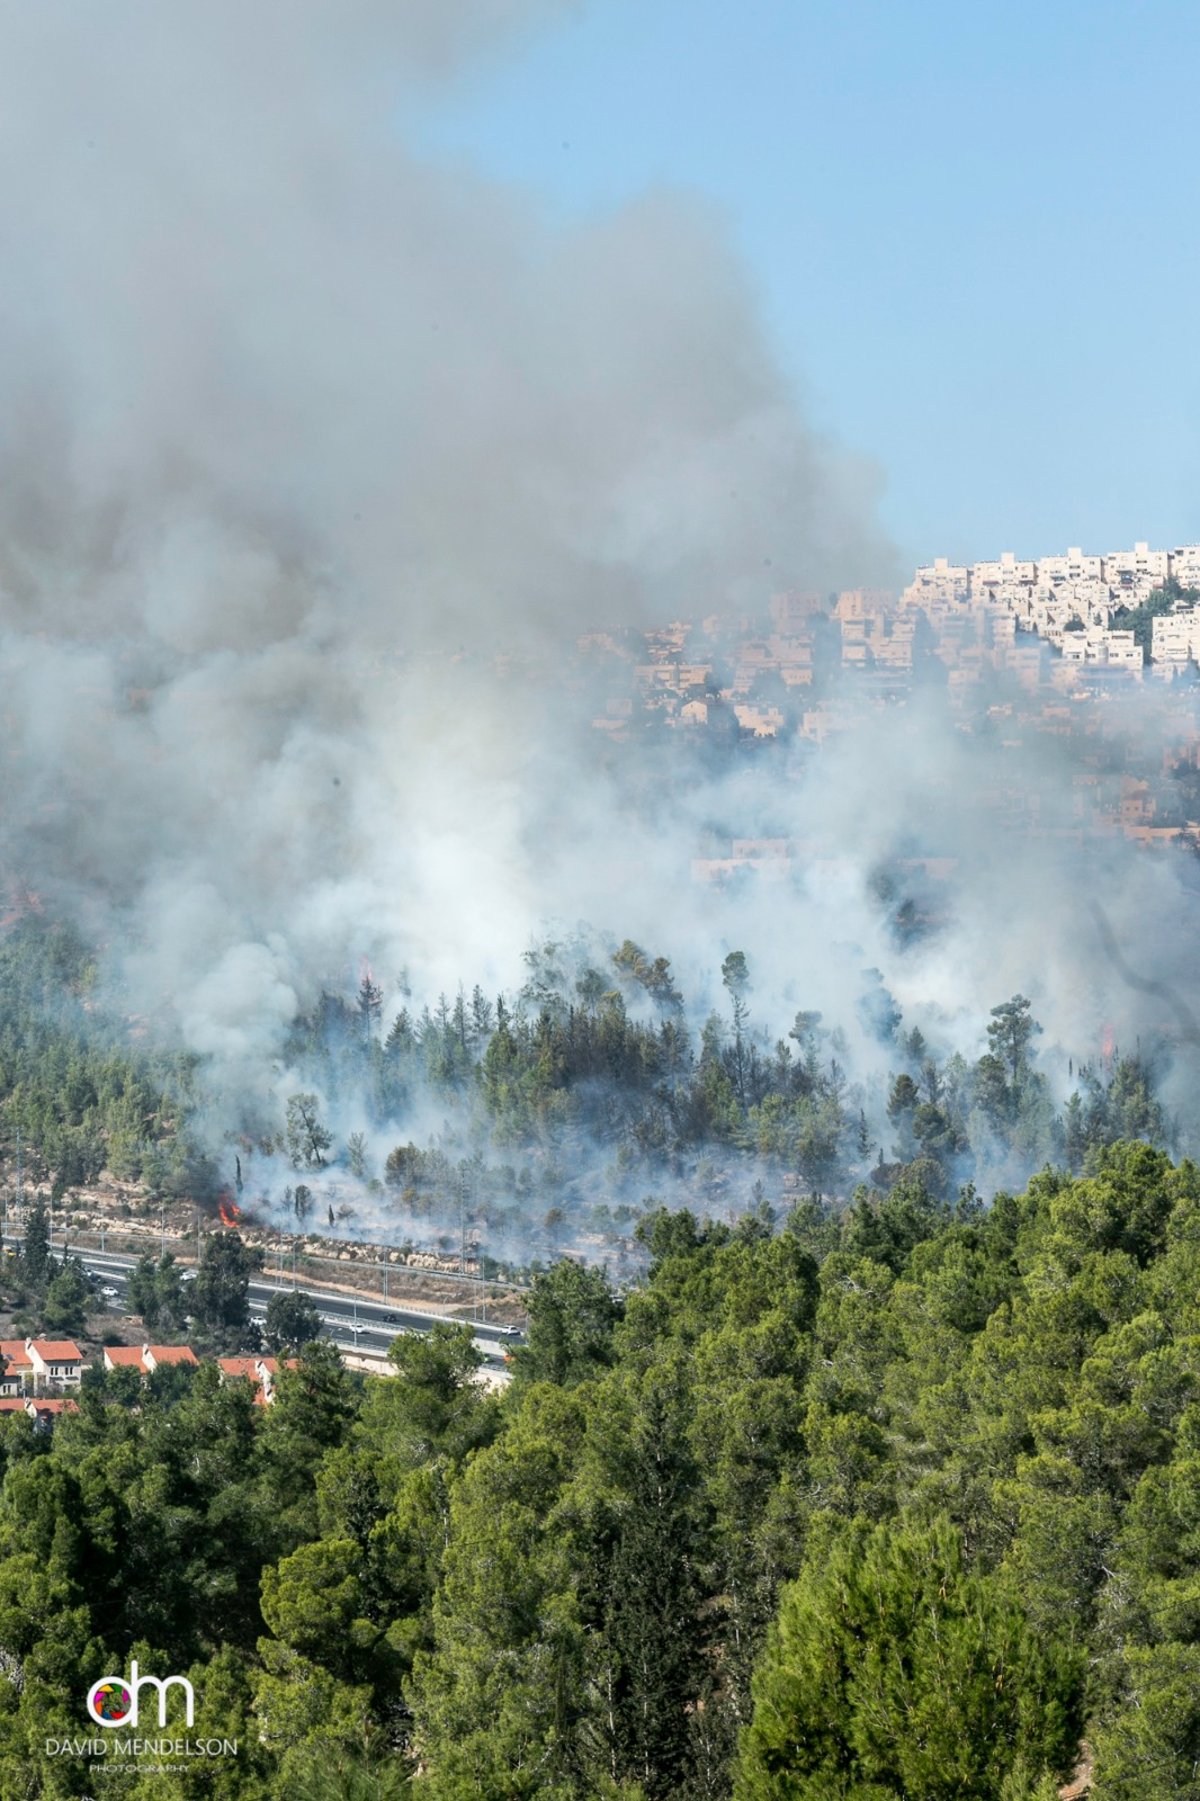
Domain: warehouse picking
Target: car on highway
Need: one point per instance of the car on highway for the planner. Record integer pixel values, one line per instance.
(110, 1294)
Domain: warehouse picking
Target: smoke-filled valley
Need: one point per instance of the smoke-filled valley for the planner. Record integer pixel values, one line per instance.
(877, 1001)
(318, 460)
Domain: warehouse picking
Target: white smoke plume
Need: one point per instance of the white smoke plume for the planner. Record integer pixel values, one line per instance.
(296, 429)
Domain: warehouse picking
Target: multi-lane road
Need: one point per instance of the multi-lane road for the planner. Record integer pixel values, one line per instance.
(367, 1327)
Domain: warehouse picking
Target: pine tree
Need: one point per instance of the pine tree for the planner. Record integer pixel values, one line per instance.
(893, 1669)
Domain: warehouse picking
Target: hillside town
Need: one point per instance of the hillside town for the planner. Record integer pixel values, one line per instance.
(1020, 653)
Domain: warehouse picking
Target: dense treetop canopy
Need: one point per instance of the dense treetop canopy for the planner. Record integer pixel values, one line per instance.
(889, 1501)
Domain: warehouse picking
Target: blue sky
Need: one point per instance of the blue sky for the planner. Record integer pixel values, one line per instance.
(974, 229)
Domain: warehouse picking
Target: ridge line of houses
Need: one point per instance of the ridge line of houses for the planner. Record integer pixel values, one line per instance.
(42, 1363)
(1071, 600)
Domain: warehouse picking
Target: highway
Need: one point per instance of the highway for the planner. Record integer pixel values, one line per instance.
(367, 1327)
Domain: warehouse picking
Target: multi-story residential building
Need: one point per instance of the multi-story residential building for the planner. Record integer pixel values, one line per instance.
(1185, 565)
(1074, 567)
(1054, 597)
(1176, 638)
(1138, 571)
(1097, 644)
(791, 610)
(1003, 581)
(938, 586)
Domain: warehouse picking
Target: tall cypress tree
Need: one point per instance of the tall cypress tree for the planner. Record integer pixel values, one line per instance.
(37, 1243)
(652, 1622)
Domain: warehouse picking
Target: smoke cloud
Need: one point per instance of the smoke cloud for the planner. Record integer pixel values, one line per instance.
(299, 433)
(296, 429)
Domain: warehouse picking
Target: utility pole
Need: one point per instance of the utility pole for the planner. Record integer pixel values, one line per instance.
(162, 1232)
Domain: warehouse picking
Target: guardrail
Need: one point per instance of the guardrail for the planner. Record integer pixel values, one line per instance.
(370, 1277)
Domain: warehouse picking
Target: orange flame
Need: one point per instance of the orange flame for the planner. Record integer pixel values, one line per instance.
(1107, 1044)
(229, 1210)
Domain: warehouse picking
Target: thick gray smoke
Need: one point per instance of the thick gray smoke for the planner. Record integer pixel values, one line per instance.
(299, 433)
(297, 429)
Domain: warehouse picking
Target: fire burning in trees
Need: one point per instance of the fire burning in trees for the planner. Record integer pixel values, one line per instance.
(229, 1210)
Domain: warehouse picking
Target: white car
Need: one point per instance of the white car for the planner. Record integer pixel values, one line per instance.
(110, 1294)
(189, 1275)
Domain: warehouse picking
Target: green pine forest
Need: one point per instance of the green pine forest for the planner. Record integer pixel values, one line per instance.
(901, 1503)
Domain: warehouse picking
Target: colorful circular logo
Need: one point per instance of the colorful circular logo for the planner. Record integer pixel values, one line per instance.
(111, 1702)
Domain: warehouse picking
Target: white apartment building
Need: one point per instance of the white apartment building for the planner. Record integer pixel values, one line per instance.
(1083, 599)
(1185, 565)
(1114, 649)
(1074, 567)
(1176, 637)
(940, 583)
(1139, 570)
(992, 581)
(1121, 651)
(1055, 596)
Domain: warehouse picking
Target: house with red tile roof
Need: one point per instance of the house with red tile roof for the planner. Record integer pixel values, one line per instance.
(18, 1370)
(148, 1357)
(233, 1367)
(44, 1412)
(273, 1366)
(259, 1370)
(244, 1369)
(160, 1356)
(55, 1360)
